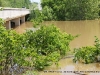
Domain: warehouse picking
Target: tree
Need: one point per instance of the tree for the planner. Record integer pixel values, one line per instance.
(72, 9)
(15, 3)
(0, 3)
(33, 6)
(4, 3)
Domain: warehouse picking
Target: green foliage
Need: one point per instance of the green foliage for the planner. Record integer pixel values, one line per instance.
(4, 3)
(15, 3)
(30, 73)
(72, 9)
(33, 6)
(12, 50)
(1, 9)
(32, 49)
(47, 13)
(88, 54)
(41, 61)
(48, 39)
(97, 45)
(49, 45)
(36, 17)
(85, 55)
(1, 22)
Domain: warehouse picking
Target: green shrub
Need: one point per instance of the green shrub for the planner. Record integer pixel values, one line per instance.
(49, 39)
(85, 55)
(12, 50)
(88, 54)
(36, 49)
(49, 44)
(36, 17)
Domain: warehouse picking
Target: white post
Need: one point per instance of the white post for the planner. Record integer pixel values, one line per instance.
(8, 25)
(22, 19)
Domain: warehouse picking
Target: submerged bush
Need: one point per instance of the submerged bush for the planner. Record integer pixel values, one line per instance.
(85, 55)
(32, 49)
(49, 39)
(88, 54)
(49, 44)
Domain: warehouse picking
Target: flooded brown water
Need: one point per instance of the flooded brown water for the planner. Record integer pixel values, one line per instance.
(67, 67)
(87, 30)
(22, 28)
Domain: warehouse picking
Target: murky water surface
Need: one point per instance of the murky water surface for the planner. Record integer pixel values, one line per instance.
(87, 30)
(23, 27)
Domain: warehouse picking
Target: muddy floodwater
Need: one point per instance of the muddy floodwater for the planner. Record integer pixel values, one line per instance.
(87, 30)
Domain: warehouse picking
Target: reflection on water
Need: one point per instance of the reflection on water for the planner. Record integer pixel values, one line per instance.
(87, 30)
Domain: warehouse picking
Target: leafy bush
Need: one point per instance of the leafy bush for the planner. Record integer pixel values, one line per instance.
(85, 55)
(97, 45)
(88, 54)
(49, 39)
(47, 13)
(32, 49)
(41, 61)
(49, 44)
(12, 50)
(36, 17)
